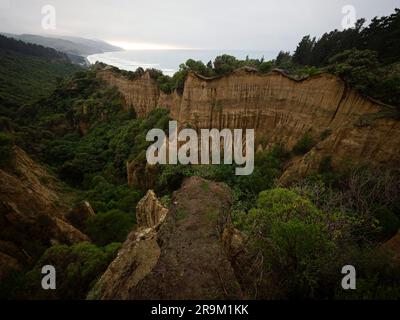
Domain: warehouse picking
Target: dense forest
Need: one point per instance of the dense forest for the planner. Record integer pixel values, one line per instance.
(28, 72)
(78, 128)
(18, 46)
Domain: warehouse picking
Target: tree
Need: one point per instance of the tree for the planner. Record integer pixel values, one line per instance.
(304, 50)
(108, 227)
(283, 60)
(225, 64)
(358, 67)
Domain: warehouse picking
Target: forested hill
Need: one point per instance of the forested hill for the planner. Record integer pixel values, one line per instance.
(9, 45)
(28, 72)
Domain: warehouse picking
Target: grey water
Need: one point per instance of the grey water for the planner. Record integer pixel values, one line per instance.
(168, 61)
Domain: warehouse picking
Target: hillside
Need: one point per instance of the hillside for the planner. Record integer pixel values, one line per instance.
(29, 72)
(69, 45)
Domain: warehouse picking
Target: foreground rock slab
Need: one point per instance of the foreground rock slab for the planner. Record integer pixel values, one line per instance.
(181, 257)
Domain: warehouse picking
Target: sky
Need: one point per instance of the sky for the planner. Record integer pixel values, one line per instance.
(202, 24)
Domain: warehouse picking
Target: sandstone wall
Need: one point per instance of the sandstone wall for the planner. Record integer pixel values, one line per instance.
(280, 109)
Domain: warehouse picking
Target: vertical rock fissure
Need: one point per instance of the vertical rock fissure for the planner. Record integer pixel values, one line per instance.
(344, 95)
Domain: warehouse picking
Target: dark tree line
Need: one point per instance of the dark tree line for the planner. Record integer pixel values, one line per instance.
(18, 46)
(381, 35)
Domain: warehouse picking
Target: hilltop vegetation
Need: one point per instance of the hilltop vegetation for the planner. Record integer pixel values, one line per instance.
(368, 58)
(28, 72)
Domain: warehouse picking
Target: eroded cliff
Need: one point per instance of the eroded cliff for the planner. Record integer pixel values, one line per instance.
(280, 109)
(32, 214)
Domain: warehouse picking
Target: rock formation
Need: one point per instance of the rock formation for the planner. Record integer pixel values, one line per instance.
(280, 109)
(32, 213)
(149, 211)
(183, 256)
(79, 214)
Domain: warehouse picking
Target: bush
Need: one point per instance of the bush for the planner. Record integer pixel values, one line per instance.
(293, 237)
(378, 275)
(110, 226)
(357, 67)
(389, 223)
(304, 145)
(77, 267)
(265, 67)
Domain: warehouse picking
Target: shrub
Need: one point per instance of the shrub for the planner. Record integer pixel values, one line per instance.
(304, 145)
(110, 226)
(293, 238)
(77, 267)
(265, 67)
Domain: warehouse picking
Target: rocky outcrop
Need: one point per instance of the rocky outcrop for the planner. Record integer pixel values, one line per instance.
(183, 257)
(141, 175)
(140, 94)
(32, 213)
(280, 109)
(149, 211)
(79, 214)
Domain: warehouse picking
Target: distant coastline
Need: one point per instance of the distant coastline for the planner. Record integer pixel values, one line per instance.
(168, 61)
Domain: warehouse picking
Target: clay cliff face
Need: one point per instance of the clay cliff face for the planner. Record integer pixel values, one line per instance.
(280, 109)
(31, 212)
(141, 94)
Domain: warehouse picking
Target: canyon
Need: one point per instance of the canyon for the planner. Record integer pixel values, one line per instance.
(345, 125)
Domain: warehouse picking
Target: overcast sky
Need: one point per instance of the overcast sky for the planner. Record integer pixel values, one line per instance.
(211, 24)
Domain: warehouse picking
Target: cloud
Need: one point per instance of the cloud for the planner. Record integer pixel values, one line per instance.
(222, 24)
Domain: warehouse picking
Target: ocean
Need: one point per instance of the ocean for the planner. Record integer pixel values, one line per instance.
(168, 61)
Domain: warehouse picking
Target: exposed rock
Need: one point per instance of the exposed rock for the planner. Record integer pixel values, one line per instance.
(79, 214)
(141, 175)
(280, 109)
(141, 94)
(149, 211)
(31, 211)
(233, 240)
(184, 259)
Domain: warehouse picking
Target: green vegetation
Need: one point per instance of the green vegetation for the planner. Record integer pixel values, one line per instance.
(298, 236)
(365, 56)
(304, 145)
(78, 267)
(303, 247)
(28, 72)
(294, 239)
(108, 227)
